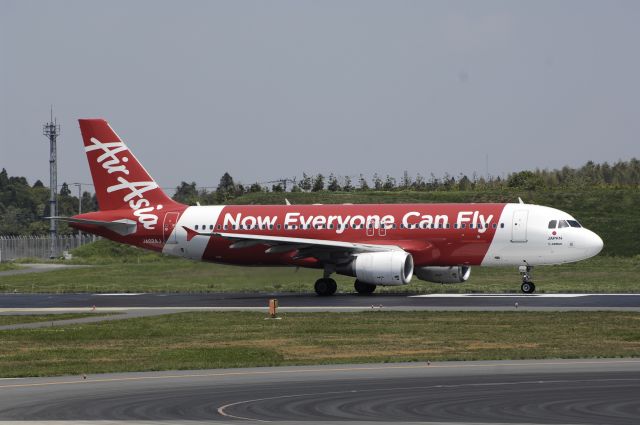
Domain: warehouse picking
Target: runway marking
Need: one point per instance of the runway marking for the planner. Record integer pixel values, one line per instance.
(505, 295)
(116, 294)
(318, 370)
(222, 412)
(480, 295)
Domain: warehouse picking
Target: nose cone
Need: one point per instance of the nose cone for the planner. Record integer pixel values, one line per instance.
(594, 244)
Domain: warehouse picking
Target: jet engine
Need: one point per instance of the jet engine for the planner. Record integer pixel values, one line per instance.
(380, 268)
(453, 274)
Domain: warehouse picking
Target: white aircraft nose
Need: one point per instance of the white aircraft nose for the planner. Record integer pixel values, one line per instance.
(594, 244)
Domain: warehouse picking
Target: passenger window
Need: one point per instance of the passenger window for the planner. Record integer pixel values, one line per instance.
(563, 223)
(470, 225)
(502, 225)
(218, 227)
(463, 225)
(573, 223)
(196, 227)
(278, 227)
(552, 224)
(448, 225)
(495, 225)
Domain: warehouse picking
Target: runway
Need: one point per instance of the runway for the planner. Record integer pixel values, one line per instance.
(540, 392)
(311, 302)
(138, 305)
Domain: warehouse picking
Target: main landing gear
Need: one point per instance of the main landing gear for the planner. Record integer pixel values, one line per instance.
(527, 286)
(364, 288)
(325, 286)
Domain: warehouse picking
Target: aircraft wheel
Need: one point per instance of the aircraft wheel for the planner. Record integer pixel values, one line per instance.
(364, 288)
(528, 287)
(325, 286)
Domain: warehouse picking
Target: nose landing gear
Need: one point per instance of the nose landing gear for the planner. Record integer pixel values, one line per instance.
(527, 286)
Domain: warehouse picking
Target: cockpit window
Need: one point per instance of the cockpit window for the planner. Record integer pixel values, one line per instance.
(563, 223)
(553, 224)
(573, 223)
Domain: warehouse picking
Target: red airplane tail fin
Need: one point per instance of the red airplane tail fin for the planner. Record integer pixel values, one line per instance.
(120, 181)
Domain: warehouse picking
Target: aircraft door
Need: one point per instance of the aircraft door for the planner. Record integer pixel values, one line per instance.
(371, 227)
(519, 226)
(170, 221)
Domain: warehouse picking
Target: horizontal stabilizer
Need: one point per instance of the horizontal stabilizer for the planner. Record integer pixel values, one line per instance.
(122, 227)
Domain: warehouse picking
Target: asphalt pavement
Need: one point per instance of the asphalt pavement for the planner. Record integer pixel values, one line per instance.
(603, 391)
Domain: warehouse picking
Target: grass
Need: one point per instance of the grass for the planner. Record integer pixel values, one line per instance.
(32, 318)
(242, 339)
(8, 266)
(600, 274)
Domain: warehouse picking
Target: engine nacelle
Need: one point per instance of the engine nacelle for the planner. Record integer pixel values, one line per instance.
(380, 268)
(453, 274)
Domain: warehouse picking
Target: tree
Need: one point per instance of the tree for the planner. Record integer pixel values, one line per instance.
(318, 183)
(348, 187)
(4, 179)
(333, 183)
(389, 183)
(64, 190)
(305, 183)
(187, 193)
(406, 180)
(464, 183)
(363, 183)
(377, 182)
(255, 188)
(528, 180)
(89, 202)
(226, 188)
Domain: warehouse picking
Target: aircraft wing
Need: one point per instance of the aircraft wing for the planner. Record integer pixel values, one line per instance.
(285, 243)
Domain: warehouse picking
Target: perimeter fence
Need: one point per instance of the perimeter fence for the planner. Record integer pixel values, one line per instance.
(17, 247)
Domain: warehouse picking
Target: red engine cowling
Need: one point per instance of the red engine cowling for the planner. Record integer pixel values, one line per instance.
(453, 274)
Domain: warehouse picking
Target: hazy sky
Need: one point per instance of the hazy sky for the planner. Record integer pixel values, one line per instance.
(269, 89)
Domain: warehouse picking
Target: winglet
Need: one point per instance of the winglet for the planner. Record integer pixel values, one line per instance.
(286, 201)
(520, 200)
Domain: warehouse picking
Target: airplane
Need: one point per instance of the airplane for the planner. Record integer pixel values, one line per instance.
(378, 244)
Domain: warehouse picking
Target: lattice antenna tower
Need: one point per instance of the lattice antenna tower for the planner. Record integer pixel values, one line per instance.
(52, 130)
